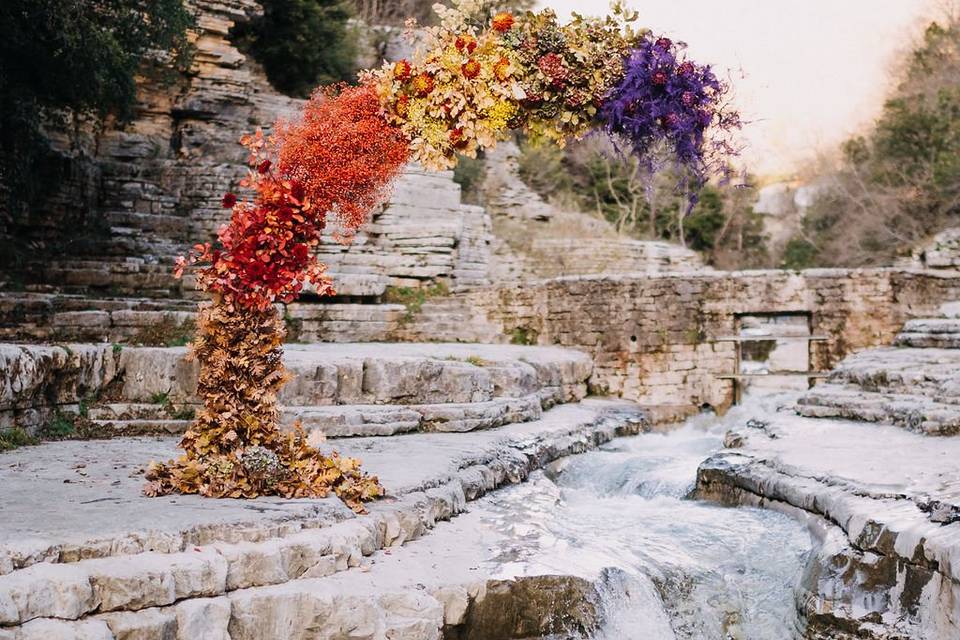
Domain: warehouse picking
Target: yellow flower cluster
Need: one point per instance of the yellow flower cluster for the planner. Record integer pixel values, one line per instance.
(480, 75)
(459, 94)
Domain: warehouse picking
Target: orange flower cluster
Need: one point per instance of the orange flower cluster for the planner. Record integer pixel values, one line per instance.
(343, 152)
(340, 157)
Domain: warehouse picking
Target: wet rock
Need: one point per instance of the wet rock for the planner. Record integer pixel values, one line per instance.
(530, 607)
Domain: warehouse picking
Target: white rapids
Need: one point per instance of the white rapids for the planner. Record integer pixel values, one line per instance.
(682, 568)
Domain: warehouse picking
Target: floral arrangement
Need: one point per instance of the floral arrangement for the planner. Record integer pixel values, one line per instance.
(665, 98)
(477, 77)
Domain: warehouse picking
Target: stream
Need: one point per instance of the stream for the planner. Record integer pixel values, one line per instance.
(685, 569)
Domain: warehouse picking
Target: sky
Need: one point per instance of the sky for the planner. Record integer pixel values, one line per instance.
(806, 73)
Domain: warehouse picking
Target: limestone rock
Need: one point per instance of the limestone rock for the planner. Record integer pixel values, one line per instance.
(62, 630)
(47, 590)
(149, 624)
(203, 619)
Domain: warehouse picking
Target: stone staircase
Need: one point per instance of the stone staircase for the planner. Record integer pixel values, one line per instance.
(535, 239)
(440, 424)
(127, 566)
(914, 384)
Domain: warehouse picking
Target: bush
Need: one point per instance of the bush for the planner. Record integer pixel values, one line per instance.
(900, 183)
(722, 224)
(301, 43)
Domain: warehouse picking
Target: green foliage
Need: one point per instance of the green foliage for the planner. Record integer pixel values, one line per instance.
(476, 361)
(301, 43)
(799, 254)
(414, 298)
(899, 183)
(523, 335)
(62, 426)
(469, 174)
(590, 176)
(160, 397)
(10, 439)
(73, 56)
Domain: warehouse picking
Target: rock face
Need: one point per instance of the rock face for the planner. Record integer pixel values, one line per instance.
(882, 492)
(342, 390)
(533, 239)
(943, 251)
(914, 385)
(159, 182)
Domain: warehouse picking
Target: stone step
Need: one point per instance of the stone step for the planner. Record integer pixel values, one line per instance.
(912, 412)
(109, 411)
(138, 427)
(334, 421)
(937, 333)
(128, 553)
(933, 373)
(36, 380)
(385, 420)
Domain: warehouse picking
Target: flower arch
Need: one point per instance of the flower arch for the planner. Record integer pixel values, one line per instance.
(475, 79)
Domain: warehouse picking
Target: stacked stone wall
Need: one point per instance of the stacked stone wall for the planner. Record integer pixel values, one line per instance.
(652, 336)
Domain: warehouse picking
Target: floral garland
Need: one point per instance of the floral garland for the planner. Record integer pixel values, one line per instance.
(476, 78)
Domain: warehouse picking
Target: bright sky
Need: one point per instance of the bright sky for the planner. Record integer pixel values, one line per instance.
(807, 73)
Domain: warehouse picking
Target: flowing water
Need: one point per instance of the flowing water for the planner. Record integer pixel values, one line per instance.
(684, 568)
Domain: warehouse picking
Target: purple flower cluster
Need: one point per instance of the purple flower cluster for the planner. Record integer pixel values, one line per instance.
(666, 98)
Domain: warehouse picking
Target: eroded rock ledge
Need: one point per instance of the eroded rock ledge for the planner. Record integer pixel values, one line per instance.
(886, 504)
(131, 567)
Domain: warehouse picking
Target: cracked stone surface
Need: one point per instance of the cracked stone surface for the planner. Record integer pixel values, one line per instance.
(94, 544)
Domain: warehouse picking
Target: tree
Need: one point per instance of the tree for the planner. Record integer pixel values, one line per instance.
(301, 43)
(68, 57)
(646, 204)
(899, 183)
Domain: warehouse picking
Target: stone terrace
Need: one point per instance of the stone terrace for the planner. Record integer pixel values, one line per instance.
(92, 558)
(343, 390)
(860, 458)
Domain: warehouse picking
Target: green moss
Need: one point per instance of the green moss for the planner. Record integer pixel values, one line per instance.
(62, 426)
(414, 298)
(523, 335)
(11, 439)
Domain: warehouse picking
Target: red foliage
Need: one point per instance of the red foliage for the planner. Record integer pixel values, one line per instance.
(339, 158)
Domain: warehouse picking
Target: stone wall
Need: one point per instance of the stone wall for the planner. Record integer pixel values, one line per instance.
(652, 336)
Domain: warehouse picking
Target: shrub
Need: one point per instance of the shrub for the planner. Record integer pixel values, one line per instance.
(11, 439)
(300, 43)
